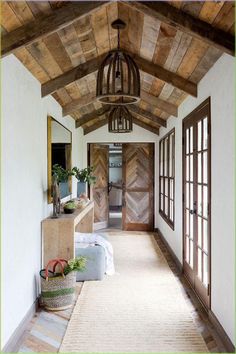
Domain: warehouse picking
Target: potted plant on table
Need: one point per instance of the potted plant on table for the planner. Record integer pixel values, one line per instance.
(83, 176)
(69, 207)
(58, 288)
(60, 187)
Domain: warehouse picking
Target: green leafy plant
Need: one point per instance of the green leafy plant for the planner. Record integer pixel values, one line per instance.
(78, 264)
(85, 174)
(70, 205)
(61, 174)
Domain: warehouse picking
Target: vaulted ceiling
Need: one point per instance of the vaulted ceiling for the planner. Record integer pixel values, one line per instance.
(174, 44)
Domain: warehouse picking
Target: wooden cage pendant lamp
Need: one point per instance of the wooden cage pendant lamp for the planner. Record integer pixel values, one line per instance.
(118, 79)
(120, 120)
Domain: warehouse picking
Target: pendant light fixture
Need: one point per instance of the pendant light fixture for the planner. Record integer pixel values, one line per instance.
(118, 79)
(120, 120)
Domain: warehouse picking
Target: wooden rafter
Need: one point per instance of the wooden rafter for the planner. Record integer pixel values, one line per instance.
(132, 108)
(92, 65)
(148, 115)
(91, 116)
(186, 23)
(44, 26)
(146, 97)
(146, 126)
(96, 125)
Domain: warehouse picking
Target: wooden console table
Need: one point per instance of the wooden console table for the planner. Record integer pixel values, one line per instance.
(58, 234)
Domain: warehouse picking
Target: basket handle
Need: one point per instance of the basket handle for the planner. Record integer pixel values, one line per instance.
(54, 263)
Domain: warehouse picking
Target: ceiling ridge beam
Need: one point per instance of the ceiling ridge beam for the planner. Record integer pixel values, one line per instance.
(44, 26)
(90, 116)
(186, 23)
(146, 114)
(152, 100)
(92, 65)
(145, 126)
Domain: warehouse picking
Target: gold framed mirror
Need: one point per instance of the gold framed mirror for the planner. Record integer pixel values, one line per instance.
(59, 146)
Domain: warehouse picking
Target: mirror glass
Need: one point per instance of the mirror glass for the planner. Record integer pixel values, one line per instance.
(59, 152)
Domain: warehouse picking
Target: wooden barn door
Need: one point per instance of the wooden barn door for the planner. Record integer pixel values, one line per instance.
(99, 159)
(137, 211)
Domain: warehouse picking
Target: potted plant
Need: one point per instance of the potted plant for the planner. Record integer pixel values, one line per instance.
(58, 288)
(83, 176)
(62, 175)
(69, 207)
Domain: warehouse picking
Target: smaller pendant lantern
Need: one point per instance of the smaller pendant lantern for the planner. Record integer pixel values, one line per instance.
(118, 79)
(120, 120)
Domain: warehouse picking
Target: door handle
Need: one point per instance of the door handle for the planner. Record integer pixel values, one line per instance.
(193, 211)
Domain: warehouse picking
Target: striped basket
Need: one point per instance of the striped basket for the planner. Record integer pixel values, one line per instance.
(57, 290)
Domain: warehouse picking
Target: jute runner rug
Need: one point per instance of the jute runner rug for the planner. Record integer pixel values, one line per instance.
(141, 309)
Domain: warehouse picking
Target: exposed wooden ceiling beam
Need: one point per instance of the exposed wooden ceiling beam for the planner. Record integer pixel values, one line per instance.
(146, 126)
(90, 116)
(92, 65)
(44, 26)
(95, 126)
(145, 114)
(186, 23)
(148, 98)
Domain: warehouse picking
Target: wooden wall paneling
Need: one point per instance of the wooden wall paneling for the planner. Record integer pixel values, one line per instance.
(99, 24)
(54, 45)
(44, 26)
(70, 40)
(112, 15)
(43, 56)
(209, 59)
(187, 23)
(151, 29)
(164, 43)
(194, 54)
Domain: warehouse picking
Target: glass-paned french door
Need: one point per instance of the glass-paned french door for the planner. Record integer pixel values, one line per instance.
(196, 200)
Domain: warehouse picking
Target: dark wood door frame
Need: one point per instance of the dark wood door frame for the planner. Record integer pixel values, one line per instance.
(204, 107)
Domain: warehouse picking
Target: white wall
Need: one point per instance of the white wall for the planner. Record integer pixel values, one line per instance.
(219, 85)
(24, 186)
(138, 134)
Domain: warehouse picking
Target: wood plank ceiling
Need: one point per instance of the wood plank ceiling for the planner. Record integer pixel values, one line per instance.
(174, 43)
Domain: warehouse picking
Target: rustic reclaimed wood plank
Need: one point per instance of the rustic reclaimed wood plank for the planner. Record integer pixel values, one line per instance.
(86, 38)
(164, 43)
(146, 126)
(151, 30)
(156, 102)
(99, 24)
(77, 103)
(42, 27)
(210, 10)
(22, 11)
(187, 23)
(95, 126)
(226, 16)
(90, 116)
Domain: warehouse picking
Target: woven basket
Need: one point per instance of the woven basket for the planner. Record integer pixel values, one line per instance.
(57, 290)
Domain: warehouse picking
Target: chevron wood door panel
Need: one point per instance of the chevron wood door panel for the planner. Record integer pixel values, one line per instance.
(138, 162)
(99, 155)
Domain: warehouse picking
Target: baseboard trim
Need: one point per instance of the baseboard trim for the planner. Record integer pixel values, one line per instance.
(211, 316)
(175, 258)
(13, 344)
(221, 332)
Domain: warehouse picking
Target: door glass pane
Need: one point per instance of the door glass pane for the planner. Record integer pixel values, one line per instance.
(199, 200)
(171, 211)
(187, 168)
(205, 135)
(166, 187)
(205, 167)
(170, 157)
(171, 188)
(162, 202)
(199, 231)
(199, 263)
(191, 168)
(191, 226)
(205, 270)
(161, 158)
(191, 140)
(191, 254)
(187, 222)
(187, 141)
(187, 249)
(162, 185)
(199, 168)
(191, 196)
(205, 235)
(166, 206)
(199, 135)
(187, 195)
(205, 201)
(166, 156)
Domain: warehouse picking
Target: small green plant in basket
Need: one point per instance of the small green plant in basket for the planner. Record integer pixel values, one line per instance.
(76, 264)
